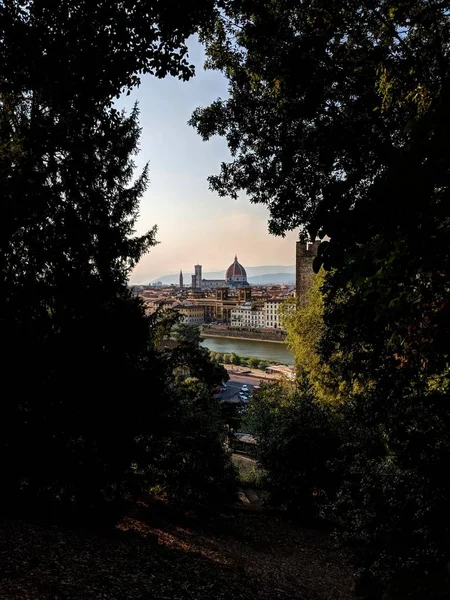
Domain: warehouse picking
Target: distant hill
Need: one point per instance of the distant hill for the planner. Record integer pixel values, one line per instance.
(276, 274)
(272, 278)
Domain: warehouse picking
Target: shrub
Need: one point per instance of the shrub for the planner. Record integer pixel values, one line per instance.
(253, 362)
(297, 437)
(235, 359)
(393, 500)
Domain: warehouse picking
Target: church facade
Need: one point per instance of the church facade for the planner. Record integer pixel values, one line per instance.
(235, 277)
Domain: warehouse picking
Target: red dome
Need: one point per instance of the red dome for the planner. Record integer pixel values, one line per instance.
(236, 270)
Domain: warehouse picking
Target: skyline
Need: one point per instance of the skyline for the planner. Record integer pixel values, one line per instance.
(194, 224)
(252, 272)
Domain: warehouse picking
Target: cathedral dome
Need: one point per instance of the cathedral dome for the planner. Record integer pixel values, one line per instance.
(236, 272)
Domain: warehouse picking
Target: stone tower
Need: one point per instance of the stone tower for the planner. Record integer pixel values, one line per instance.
(198, 276)
(181, 278)
(303, 268)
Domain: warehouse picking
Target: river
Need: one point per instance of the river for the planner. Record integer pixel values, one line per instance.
(271, 351)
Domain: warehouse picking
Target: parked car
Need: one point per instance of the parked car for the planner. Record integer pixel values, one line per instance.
(244, 388)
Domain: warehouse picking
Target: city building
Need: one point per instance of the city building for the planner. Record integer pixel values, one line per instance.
(228, 301)
(272, 313)
(248, 316)
(192, 314)
(197, 277)
(219, 303)
(235, 277)
(266, 316)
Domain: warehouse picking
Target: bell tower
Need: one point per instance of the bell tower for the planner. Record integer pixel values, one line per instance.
(181, 279)
(198, 276)
(306, 254)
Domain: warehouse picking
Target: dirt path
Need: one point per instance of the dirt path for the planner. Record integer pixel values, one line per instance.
(152, 553)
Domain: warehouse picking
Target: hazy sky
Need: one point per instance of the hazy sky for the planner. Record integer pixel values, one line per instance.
(194, 224)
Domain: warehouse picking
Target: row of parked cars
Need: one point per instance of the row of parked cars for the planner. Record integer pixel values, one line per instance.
(243, 394)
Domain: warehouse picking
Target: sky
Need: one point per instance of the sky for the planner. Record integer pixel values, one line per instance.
(194, 224)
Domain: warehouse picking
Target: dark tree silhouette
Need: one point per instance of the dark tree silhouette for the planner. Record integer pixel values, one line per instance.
(78, 350)
(337, 119)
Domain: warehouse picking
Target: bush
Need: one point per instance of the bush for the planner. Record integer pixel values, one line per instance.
(248, 472)
(193, 464)
(235, 359)
(253, 362)
(393, 501)
(297, 437)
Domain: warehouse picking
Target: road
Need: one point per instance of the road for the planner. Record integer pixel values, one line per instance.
(234, 387)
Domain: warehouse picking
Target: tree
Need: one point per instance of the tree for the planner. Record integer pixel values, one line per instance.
(305, 326)
(231, 415)
(337, 120)
(297, 439)
(189, 460)
(69, 205)
(253, 362)
(193, 360)
(186, 332)
(67, 305)
(235, 359)
(392, 497)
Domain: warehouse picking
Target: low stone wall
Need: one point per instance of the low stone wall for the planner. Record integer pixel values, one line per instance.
(267, 335)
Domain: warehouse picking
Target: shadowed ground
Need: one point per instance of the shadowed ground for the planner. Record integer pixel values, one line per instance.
(161, 554)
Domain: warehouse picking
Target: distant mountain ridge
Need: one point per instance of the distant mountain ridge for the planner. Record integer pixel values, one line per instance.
(255, 275)
(272, 278)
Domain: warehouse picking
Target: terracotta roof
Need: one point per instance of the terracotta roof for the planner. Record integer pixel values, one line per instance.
(235, 269)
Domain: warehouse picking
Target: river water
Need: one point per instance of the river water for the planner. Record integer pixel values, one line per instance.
(271, 351)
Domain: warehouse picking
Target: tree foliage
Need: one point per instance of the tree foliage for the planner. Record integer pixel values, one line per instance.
(235, 359)
(336, 116)
(186, 332)
(78, 349)
(296, 439)
(392, 500)
(337, 119)
(253, 362)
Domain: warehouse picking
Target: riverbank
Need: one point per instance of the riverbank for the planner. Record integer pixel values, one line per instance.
(238, 337)
(274, 336)
(233, 370)
(245, 348)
